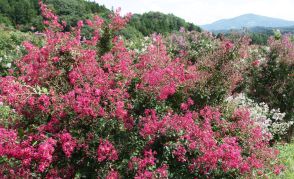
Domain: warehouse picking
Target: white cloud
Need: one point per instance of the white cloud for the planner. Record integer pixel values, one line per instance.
(207, 11)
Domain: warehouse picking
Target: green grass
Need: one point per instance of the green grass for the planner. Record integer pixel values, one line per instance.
(287, 158)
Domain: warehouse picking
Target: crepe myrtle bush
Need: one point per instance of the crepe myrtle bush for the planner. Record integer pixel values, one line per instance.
(223, 60)
(271, 80)
(87, 115)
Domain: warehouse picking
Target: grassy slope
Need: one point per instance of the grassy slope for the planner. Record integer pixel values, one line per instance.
(287, 158)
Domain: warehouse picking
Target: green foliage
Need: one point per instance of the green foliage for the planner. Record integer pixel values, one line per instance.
(259, 38)
(24, 14)
(287, 158)
(105, 43)
(7, 116)
(5, 20)
(131, 32)
(274, 85)
(11, 48)
(95, 8)
(218, 58)
(272, 81)
(69, 10)
(151, 22)
(20, 12)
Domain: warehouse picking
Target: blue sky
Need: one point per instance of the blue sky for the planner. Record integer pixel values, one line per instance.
(207, 11)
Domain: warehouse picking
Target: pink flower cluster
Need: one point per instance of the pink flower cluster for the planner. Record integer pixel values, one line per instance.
(68, 144)
(106, 151)
(284, 48)
(228, 45)
(162, 75)
(216, 149)
(117, 22)
(45, 153)
(112, 175)
(26, 151)
(141, 166)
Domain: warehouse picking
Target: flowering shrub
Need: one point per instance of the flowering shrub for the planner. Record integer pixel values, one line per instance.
(111, 115)
(222, 62)
(11, 49)
(271, 80)
(270, 120)
(106, 151)
(191, 44)
(139, 45)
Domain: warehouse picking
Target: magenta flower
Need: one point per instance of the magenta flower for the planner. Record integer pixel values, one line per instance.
(106, 151)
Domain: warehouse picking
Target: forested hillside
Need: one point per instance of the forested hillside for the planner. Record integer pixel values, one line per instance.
(25, 16)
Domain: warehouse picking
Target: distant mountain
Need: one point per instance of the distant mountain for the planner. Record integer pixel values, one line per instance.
(247, 20)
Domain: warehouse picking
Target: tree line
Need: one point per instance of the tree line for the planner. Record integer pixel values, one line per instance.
(25, 15)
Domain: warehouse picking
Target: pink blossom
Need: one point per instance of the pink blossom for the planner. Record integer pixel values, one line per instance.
(112, 175)
(180, 153)
(106, 151)
(68, 144)
(255, 63)
(45, 153)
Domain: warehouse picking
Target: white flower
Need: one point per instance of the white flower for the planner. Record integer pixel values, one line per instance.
(269, 120)
(8, 65)
(267, 49)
